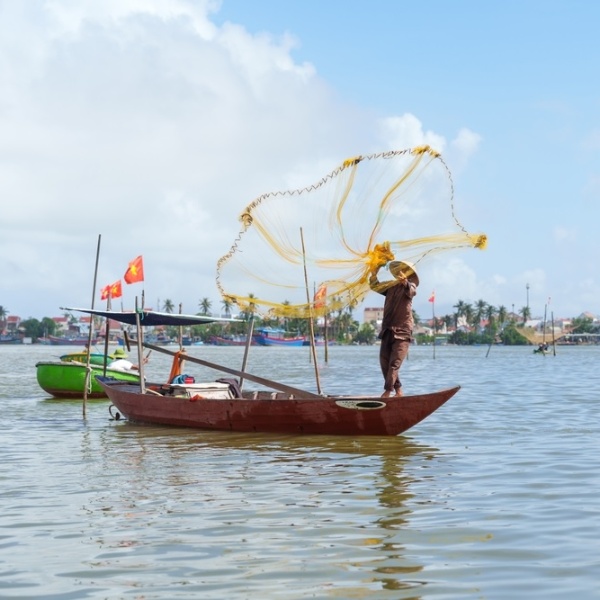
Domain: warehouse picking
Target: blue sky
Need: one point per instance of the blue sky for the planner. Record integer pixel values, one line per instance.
(153, 123)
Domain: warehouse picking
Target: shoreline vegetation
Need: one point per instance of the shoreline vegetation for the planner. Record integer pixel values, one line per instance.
(470, 324)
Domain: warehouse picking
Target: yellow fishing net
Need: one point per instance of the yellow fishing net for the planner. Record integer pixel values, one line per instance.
(309, 251)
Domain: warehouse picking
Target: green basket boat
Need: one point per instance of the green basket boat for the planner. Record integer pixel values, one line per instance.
(67, 379)
(96, 358)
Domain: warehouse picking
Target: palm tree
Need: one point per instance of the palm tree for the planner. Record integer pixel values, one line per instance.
(249, 312)
(469, 314)
(490, 313)
(462, 308)
(449, 320)
(205, 305)
(168, 306)
(502, 313)
(345, 322)
(525, 312)
(480, 310)
(3, 315)
(416, 318)
(226, 303)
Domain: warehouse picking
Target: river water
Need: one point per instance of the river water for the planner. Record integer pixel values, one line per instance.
(495, 496)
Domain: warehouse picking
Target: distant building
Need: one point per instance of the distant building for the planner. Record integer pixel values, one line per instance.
(62, 323)
(371, 315)
(12, 323)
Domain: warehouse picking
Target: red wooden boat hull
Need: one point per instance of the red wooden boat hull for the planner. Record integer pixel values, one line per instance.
(220, 341)
(277, 412)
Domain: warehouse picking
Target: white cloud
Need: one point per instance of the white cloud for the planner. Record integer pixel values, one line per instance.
(143, 121)
(463, 147)
(563, 234)
(406, 131)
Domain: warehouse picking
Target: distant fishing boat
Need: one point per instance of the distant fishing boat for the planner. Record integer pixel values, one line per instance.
(160, 339)
(216, 340)
(11, 339)
(321, 342)
(187, 340)
(54, 340)
(268, 336)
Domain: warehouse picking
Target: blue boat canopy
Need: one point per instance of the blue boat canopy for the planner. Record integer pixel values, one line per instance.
(151, 318)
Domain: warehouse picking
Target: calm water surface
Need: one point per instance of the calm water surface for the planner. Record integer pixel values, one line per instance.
(494, 496)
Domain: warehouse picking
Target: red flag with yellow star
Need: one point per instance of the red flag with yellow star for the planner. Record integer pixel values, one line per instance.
(116, 290)
(320, 297)
(135, 271)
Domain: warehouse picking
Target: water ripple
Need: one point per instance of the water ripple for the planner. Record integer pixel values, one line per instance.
(493, 496)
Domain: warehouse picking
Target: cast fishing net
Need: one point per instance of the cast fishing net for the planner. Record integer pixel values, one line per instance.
(309, 251)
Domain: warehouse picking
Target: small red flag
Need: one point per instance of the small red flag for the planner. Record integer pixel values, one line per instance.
(320, 297)
(135, 271)
(116, 291)
(105, 292)
(432, 297)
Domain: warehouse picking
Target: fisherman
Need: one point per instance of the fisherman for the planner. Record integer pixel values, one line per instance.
(120, 362)
(398, 322)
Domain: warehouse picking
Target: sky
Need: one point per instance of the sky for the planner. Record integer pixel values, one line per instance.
(143, 127)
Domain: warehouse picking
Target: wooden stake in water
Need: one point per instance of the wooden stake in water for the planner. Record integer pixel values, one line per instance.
(247, 347)
(310, 318)
(434, 322)
(88, 372)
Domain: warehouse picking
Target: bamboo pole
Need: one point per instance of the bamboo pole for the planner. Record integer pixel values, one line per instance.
(326, 336)
(434, 323)
(310, 318)
(247, 348)
(180, 329)
(544, 329)
(88, 372)
(106, 335)
(140, 342)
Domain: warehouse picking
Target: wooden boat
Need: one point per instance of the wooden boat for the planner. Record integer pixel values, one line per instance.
(11, 339)
(320, 342)
(541, 349)
(66, 379)
(73, 341)
(188, 340)
(277, 337)
(216, 340)
(221, 405)
(218, 407)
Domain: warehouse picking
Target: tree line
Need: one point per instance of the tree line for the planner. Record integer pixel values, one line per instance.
(477, 323)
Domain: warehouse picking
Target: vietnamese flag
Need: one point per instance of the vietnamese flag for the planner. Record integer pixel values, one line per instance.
(135, 271)
(432, 297)
(116, 291)
(320, 297)
(105, 292)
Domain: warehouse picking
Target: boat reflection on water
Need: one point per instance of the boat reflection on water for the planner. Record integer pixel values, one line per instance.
(334, 499)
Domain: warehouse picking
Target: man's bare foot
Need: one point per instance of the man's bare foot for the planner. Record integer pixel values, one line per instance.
(386, 394)
(399, 392)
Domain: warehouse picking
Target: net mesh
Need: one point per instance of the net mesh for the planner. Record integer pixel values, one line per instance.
(309, 251)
